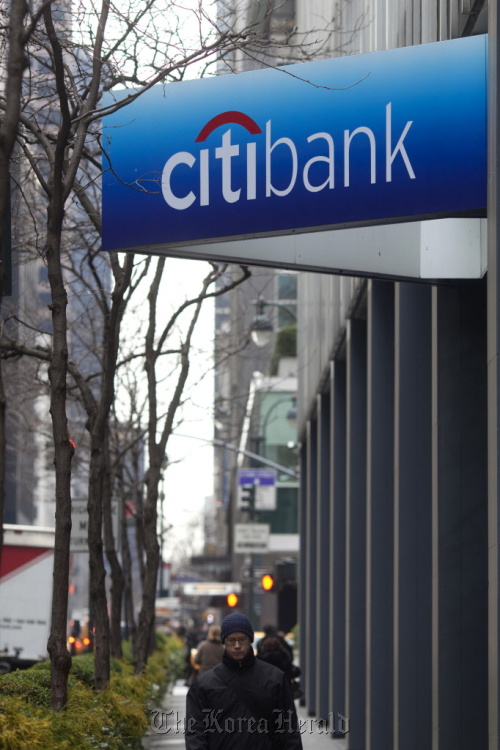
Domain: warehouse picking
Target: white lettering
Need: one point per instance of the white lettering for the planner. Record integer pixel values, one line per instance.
(204, 178)
(226, 153)
(269, 149)
(318, 172)
(329, 182)
(391, 155)
(251, 171)
(181, 157)
(347, 145)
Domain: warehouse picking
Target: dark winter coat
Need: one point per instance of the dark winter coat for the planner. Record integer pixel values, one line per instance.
(281, 660)
(218, 719)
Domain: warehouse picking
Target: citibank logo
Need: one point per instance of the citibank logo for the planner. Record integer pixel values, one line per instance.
(238, 173)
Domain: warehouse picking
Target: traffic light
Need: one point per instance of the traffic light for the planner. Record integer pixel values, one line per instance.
(232, 600)
(267, 582)
(247, 497)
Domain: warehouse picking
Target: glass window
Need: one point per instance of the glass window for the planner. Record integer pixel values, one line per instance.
(287, 286)
(286, 293)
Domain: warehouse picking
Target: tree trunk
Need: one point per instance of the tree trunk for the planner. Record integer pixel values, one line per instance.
(63, 452)
(152, 550)
(116, 569)
(128, 587)
(99, 469)
(96, 564)
(139, 533)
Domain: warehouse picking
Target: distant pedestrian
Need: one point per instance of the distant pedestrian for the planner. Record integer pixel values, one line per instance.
(275, 653)
(191, 641)
(271, 632)
(210, 652)
(243, 703)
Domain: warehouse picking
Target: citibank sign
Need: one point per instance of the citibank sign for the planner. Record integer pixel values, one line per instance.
(385, 137)
(298, 175)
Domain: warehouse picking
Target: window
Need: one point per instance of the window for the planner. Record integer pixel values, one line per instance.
(286, 294)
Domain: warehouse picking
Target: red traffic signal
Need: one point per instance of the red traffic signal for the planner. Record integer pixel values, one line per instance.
(267, 582)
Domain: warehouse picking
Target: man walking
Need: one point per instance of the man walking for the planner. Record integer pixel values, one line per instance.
(243, 703)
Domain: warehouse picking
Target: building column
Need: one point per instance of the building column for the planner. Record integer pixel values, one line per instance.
(380, 515)
(323, 629)
(309, 623)
(460, 548)
(413, 519)
(356, 534)
(302, 569)
(493, 375)
(337, 564)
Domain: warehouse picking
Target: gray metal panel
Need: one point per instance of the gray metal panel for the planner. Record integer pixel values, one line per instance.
(356, 533)
(460, 512)
(380, 515)
(337, 596)
(310, 571)
(413, 521)
(323, 629)
(493, 373)
(303, 560)
(404, 250)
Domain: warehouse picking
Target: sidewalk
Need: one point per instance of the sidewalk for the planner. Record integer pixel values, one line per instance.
(169, 726)
(314, 736)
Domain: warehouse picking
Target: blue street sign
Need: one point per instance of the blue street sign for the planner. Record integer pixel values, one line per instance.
(358, 140)
(262, 477)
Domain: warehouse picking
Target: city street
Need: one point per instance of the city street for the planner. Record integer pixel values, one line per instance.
(169, 724)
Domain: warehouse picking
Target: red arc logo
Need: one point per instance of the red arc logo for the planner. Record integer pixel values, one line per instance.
(225, 118)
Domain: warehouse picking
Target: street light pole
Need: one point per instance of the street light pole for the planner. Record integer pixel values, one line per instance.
(251, 567)
(261, 459)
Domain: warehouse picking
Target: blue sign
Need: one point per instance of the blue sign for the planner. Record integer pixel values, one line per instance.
(368, 139)
(250, 477)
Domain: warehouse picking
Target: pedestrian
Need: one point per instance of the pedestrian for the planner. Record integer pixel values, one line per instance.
(275, 653)
(210, 652)
(243, 703)
(191, 640)
(271, 632)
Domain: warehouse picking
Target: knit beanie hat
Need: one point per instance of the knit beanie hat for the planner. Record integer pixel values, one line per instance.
(236, 623)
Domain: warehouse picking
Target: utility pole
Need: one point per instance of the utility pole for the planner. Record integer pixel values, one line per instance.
(250, 497)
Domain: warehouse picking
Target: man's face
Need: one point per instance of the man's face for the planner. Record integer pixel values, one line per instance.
(237, 645)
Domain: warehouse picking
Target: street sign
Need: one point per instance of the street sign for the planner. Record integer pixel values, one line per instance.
(211, 588)
(264, 481)
(79, 524)
(251, 537)
(167, 604)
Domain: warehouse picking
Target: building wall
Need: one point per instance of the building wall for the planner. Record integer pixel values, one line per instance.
(393, 424)
(360, 27)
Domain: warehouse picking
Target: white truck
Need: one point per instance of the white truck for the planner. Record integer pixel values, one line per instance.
(25, 595)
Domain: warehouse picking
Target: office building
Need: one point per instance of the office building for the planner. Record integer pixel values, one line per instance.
(397, 425)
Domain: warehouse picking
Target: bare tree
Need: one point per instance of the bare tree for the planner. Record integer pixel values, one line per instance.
(71, 54)
(57, 134)
(160, 427)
